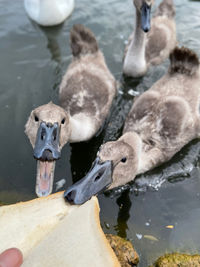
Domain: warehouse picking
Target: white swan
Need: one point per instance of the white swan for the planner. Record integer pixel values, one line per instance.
(49, 12)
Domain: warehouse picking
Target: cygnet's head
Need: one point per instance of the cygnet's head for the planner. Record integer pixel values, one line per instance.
(144, 8)
(116, 164)
(48, 130)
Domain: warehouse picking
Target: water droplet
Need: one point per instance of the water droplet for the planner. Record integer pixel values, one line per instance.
(139, 236)
(133, 92)
(107, 225)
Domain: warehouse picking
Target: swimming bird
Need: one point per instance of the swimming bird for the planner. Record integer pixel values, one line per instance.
(49, 12)
(86, 93)
(161, 121)
(152, 41)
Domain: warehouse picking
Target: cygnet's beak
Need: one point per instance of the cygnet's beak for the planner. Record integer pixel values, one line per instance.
(98, 179)
(146, 17)
(46, 151)
(47, 140)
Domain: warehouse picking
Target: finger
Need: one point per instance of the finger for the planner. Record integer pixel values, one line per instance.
(11, 258)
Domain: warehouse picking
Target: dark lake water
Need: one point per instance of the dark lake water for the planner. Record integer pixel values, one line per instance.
(32, 62)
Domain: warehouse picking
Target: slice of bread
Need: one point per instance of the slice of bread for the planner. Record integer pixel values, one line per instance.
(52, 233)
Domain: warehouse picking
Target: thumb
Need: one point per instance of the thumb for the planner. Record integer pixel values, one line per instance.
(11, 258)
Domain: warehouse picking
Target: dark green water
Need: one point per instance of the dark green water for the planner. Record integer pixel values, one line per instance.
(32, 62)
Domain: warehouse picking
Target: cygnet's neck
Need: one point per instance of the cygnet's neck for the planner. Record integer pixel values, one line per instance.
(82, 127)
(138, 41)
(135, 62)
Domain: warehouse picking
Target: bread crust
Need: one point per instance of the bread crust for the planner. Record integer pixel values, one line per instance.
(33, 226)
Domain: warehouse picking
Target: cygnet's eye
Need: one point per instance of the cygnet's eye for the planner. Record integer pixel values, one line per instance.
(36, 118)
(63, 121)
(124, 159)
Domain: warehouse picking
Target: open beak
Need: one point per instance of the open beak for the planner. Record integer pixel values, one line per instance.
(46, 151)
(146, 17)
(98, 179)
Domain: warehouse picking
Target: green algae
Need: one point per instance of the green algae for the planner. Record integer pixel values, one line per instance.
(178, 260)
(124, 250)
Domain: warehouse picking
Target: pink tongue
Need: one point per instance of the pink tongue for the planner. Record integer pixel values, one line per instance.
(45, 175)
(44, 179)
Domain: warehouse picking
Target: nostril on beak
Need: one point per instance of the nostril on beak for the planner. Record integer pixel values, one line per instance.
(71, 196)
(43, 134)
(54, 134)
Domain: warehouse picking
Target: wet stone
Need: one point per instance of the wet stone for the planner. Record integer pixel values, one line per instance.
(178, 260)
(124, 251)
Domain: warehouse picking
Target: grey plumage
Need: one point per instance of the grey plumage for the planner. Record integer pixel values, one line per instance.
(161, 121)
(82, 41)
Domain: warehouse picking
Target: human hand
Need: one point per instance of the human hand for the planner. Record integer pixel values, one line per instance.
(11, 258)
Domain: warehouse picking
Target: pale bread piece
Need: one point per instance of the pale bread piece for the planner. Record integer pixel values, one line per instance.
(52, 233)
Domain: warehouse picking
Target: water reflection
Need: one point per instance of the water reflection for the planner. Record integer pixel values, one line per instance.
(124, 203)
(83, 154)
(52, 34)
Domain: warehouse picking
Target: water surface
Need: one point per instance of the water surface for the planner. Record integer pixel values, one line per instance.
(33, 60)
